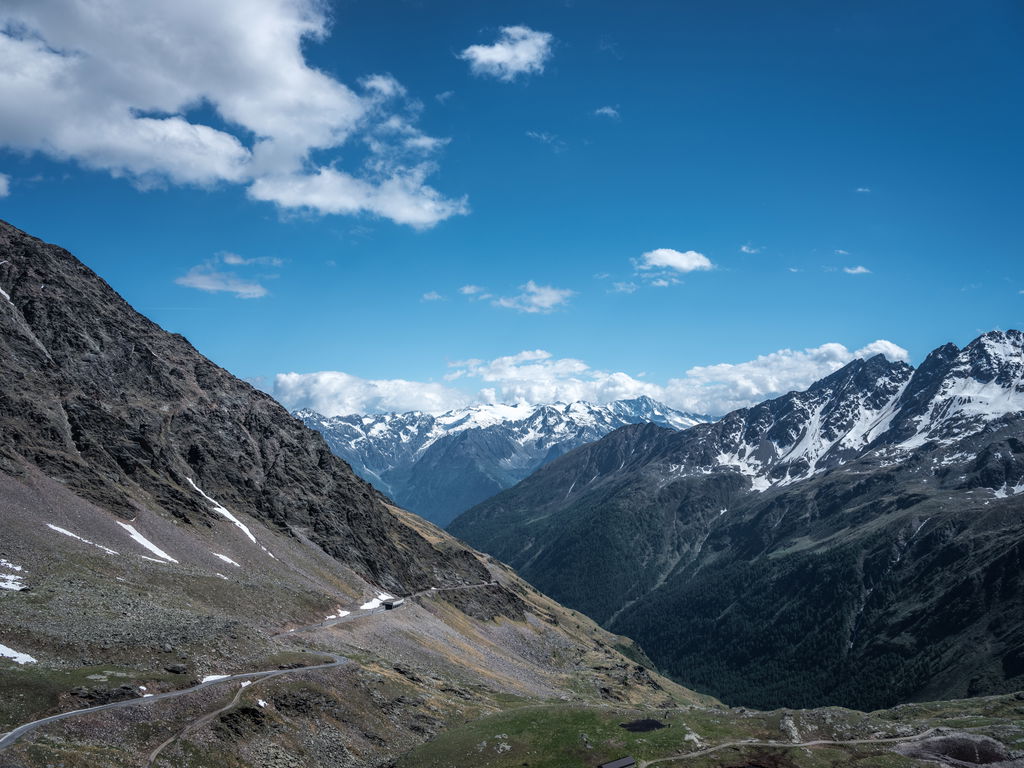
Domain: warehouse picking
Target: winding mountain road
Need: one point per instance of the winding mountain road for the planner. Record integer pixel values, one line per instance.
(786, 745)
(9, 738)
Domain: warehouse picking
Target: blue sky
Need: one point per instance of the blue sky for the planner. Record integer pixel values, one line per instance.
(786, 144)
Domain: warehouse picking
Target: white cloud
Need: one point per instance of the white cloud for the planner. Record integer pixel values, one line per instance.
(882, 347)
(518, 51)
(863, 189)
(536, 376)
(115, 86)
(841, 252)
(727, 386)
(432, 296)
(443, 96)
(213, 278)
(612, 112)
(334, 393)
(235, 260)
(858, 270)
(680, 261)
(748, 248)
(207, 278)
(629, 287)
(403, 198)
(471, 290)
(551, 139)
(5, 185)
(536, 298)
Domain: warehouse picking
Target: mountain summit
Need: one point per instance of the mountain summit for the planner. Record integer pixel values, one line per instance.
(858, 543)
(439, 466)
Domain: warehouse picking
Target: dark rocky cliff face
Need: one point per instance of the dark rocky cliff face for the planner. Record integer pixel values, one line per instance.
(100, 398)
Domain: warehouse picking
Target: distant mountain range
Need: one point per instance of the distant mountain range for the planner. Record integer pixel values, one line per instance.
(857, 543)
(440, 466)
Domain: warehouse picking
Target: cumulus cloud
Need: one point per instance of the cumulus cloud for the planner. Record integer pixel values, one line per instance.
(669, 258)
(885, 348)
(858, 270)
(606, 111)
(403, 197)
(748, 248)
(518, 51)
(863, 190)
(724, 387)
(628, 287)
(116, 87)
(536, 298)
(471, 290)
(536, 376)
(334, 393)
(432, 296)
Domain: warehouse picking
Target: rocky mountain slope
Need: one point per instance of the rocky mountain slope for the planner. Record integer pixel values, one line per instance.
(166, 523)
(859, 543)
(440, 466)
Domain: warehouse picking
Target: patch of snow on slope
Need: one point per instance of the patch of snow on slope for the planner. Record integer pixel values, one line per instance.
(858, 437)
(226, 559)
(213, 678)
(66, 532)
(222, 511)
(146, 542)
(11, 581)
(18, 658)
(812, 444)
(1006, 491)
(375, 603)
(749, 468)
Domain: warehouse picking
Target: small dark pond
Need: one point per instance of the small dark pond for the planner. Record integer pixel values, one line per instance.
(642, 726)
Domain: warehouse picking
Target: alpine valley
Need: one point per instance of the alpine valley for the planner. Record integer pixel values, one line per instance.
(439, 466)
(190, 578)
(859, 543)
(167, 526)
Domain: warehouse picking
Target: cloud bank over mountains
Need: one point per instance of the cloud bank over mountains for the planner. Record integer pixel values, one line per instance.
(536, 376)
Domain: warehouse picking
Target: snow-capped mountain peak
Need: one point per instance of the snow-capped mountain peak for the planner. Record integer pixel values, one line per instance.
(982, 382)
(476, 451)
(867, 406)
